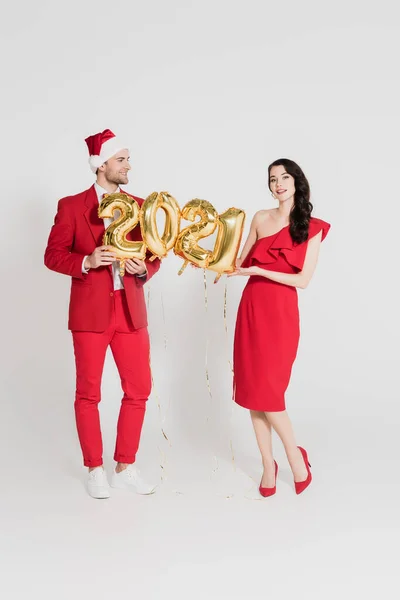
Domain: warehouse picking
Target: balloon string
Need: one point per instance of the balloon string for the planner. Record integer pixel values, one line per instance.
(207, 340)
(226, 321)
(148, 298)
(163, 462)
(215, 465)
(205, 289)
(165, 348)
(225, 302)
(159, 411)
(215, 468)
(163, 458)
(165, 328)
(231, 369)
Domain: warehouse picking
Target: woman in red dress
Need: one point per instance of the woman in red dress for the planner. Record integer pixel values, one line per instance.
(279, 255)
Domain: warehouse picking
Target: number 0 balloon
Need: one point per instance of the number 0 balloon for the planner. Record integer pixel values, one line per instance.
(160, 245)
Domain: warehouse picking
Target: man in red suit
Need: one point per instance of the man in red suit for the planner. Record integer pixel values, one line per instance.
(105, 310)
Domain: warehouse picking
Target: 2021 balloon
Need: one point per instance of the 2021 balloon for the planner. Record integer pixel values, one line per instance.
(185, 243)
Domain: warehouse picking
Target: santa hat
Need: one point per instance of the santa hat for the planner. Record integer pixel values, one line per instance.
(102, 146)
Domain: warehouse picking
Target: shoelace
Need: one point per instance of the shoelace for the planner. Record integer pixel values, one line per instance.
(96, 474)
(131, 473)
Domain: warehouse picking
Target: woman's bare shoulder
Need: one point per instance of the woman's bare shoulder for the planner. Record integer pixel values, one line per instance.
(263, 215)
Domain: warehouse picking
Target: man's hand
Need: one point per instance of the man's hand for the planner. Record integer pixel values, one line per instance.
(134, 266)
(101, 257)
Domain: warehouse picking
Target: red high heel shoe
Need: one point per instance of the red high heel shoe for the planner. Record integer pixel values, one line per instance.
(266, 492)
(300, 486)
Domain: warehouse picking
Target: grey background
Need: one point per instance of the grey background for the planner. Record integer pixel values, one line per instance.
(207, 93)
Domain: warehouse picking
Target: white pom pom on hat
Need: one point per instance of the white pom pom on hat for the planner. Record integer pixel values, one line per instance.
(102, 146)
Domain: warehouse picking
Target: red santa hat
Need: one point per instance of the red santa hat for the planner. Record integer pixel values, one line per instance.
(102, 146)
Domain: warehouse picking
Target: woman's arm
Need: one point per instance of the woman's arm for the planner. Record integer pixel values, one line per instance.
(251, 240)
(300, 280)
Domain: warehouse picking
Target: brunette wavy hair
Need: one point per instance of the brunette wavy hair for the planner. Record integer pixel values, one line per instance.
(301, 212)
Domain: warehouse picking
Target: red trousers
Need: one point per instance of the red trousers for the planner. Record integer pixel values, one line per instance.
(131, 351)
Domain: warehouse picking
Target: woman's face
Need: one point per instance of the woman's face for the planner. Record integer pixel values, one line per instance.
(281, 184)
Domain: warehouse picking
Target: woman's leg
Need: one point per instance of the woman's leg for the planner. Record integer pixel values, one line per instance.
(262, 429)
(281, 423)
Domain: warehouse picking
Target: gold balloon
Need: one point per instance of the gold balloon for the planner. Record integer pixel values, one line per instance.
(230, 231)
(186, 245)
(115, 234)
(159, 246)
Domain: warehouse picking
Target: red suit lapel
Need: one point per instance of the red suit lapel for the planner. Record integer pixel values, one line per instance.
(96, 224)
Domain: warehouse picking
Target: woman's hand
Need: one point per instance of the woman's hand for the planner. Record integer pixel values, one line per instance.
(238, 262)
(246, 271)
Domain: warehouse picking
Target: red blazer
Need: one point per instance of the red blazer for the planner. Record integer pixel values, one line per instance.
(76, 232)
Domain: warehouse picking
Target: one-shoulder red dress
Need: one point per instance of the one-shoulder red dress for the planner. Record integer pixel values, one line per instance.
(267, 326)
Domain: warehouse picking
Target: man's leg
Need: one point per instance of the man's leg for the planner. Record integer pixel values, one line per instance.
(132, 356)
(90, 351)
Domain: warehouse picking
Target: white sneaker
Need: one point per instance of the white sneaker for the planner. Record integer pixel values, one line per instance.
(97, 484)
(130, 479)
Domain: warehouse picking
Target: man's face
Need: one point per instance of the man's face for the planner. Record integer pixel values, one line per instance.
(116, 169)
